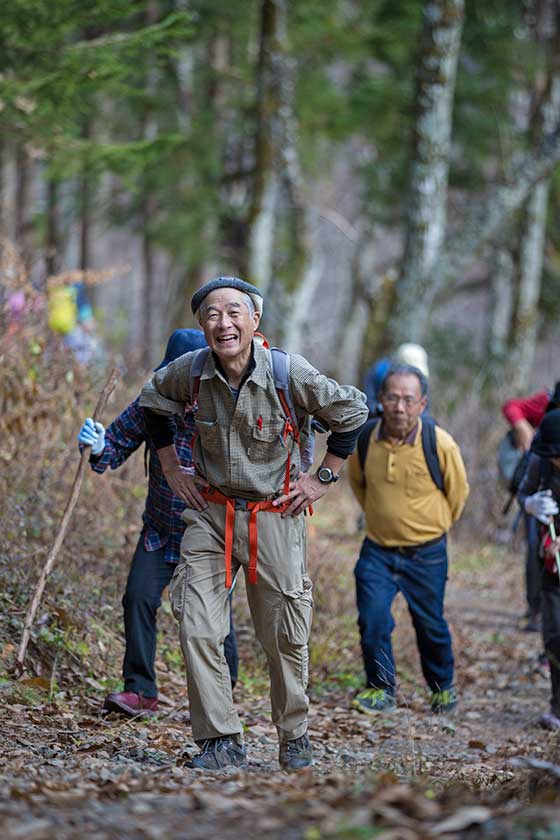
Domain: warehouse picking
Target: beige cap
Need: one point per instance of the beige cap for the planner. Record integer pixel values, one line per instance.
(412, 354)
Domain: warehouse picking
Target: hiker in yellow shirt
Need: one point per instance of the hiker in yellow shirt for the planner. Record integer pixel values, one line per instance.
(409, 478)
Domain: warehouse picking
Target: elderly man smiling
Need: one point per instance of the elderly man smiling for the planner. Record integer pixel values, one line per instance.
(247, 499)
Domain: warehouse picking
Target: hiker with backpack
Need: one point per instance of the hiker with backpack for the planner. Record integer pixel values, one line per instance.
(247, 502)
(524, 415)
(409, 479)
(158, 549)
(539, 496)
(405, 354)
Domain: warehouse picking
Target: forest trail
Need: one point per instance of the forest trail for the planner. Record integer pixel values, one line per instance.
(68, 770)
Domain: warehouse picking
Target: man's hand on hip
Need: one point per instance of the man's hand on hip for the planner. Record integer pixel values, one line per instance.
(182, 480)
(305, 490)
(185, 484)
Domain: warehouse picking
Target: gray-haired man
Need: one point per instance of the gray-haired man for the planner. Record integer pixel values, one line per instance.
(247, 498)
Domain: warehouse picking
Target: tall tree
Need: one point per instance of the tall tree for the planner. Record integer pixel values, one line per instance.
(440, 43)
(269, 136)
(502, 276)
(148, 203)
(534, 212)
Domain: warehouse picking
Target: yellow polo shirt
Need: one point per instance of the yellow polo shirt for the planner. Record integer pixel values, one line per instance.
(401, 503)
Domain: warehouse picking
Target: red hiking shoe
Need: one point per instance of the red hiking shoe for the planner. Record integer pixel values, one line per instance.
(130, 704)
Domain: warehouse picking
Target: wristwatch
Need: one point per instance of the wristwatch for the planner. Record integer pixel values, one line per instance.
(326, 475)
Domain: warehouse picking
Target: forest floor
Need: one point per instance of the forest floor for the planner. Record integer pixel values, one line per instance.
(68, 769)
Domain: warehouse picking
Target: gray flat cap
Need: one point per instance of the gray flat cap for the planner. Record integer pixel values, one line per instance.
(227, 283)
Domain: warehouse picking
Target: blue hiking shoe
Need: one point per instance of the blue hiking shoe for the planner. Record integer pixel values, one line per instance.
(443, 702)
(372, 701)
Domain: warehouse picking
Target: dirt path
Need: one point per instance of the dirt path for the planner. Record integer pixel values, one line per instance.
(66, 770)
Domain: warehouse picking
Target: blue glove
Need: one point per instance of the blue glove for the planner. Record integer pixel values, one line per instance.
(92, 434)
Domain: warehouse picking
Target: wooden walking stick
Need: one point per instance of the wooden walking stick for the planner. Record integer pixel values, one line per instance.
(62, 528)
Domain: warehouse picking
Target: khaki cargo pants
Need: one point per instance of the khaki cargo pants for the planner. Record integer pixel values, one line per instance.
(281, 607)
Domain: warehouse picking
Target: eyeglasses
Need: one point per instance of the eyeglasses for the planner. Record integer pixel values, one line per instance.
(394, 399)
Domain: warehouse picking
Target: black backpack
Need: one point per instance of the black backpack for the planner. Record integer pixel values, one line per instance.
(429, 447)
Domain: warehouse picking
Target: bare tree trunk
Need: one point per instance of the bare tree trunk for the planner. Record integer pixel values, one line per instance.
(85, 207)
(530, 271)
(53, 248)
(278, 197)
(190, 66)
(301, 303)
(7, 189)
(502, 304)
(148, 211)
(16, 180)
(148, 278)
(426, 216)
(533, 223)
(23, 184)
(306, 264)
(266, 184)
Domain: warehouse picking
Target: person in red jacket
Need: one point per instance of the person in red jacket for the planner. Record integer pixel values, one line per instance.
(524, 415)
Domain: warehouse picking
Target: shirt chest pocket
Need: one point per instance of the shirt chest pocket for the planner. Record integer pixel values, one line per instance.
(208, 432)
(417, 481)
(265, 442)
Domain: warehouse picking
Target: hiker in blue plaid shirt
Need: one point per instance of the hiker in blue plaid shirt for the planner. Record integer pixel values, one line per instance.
(158, 548)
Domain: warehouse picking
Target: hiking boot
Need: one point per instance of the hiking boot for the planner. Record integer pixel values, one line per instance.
(443, 702)
(550, 721)
(217, 753)
(130, 704)
(295, 754)
(374, 700)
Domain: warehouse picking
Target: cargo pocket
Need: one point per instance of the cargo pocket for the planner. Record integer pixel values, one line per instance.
(177, 591)
(297, 614)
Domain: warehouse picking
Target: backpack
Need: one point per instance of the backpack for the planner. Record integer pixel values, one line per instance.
(429, 447)
(303, 428)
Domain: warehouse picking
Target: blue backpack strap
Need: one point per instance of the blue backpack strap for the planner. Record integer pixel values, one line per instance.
(429, 445)
(304, 429)
(280, 362)
(196, 372)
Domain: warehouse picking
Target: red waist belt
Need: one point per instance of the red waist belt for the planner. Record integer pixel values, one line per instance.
(213, 495)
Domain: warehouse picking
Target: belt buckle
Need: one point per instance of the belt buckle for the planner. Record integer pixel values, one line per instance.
(241, 504)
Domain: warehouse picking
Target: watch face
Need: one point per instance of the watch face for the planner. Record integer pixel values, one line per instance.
(325, 474)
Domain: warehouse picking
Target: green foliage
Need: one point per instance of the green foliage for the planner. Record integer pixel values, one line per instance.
(498, 63)
(366, 92)
(167, 107)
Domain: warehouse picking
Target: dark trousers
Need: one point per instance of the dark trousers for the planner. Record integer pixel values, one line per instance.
(149, 574)
(420, 574)
(551, 633)
(533, 565)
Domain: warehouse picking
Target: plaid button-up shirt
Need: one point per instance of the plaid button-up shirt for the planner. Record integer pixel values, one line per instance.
(239, 448)
(163, 525)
